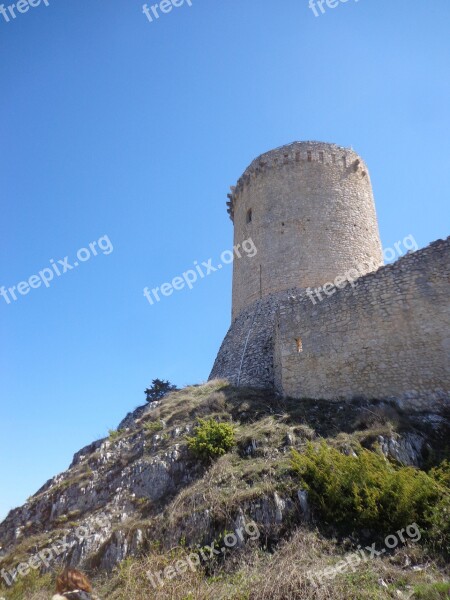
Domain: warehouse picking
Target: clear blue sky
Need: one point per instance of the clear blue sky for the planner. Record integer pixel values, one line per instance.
(112, 125)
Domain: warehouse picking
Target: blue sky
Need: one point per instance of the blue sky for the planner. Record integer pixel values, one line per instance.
(112, 125)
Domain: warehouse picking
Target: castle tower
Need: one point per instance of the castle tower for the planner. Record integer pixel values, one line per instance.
(308, 208)
(310, 212)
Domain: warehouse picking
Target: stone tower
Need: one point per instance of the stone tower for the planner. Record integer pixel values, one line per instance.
(309, 209)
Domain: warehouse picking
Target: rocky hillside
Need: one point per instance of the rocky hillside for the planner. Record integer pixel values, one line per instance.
(142, 500)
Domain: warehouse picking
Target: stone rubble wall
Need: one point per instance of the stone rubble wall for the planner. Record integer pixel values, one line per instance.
(246, 354)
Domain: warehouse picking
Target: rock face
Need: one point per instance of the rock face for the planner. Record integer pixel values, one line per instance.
(408, 450)
(132, 419)
(106, 484)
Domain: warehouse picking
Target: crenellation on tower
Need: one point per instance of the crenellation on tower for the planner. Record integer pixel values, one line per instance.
(327, 154)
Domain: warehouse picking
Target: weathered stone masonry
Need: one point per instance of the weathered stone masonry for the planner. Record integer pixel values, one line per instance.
(309, 209)
(386, 338)
(246, 354)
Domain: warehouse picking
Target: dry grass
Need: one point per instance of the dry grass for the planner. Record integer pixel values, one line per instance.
(251, 574)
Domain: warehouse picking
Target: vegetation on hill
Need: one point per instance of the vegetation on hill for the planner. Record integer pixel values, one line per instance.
(251, 456)
(159, 389)
(211, 439)
(364, 490)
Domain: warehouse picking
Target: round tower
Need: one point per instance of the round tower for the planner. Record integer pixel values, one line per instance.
(309, 209)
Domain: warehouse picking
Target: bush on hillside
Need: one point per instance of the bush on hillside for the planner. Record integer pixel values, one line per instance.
(368, 492)
(442, 473)
(211, 439)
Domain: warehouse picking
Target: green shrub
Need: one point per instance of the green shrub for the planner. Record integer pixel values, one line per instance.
(113, 434)
(153, 426)
(442, 473)
(211, 439)
(367, 491)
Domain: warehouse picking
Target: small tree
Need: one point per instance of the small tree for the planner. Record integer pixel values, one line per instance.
(158, 389)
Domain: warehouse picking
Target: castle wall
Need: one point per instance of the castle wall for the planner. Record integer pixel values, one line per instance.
(388, 337)
(312, 218)
(246, 354)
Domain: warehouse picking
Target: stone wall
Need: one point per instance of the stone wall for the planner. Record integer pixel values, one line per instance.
(387, 337)
(246, 354)
(309, 209)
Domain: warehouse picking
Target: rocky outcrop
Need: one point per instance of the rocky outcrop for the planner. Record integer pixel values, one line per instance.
(111, 478)
(407, 449)
(133, 418)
